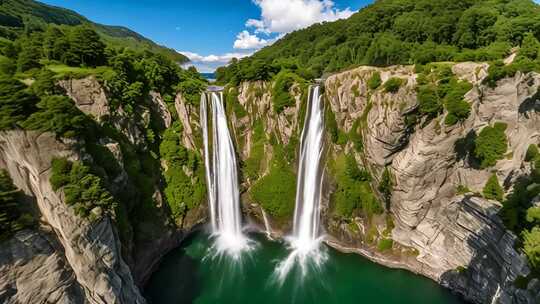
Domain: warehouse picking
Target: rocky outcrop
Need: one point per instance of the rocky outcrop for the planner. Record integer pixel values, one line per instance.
(449, 231)
(89, 96)
(91, 250)
(34, 270)
(160, 108)
(189, 117)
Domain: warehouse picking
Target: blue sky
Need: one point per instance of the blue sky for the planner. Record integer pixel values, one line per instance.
(210, 31)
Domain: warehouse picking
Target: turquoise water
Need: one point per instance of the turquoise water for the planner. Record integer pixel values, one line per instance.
(190, 274)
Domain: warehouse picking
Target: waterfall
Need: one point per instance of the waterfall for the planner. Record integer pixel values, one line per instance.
(267, 227)
(222, 178)
(306, 239)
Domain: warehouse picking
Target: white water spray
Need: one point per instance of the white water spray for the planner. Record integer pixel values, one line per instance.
(305, 241)
(222, 179)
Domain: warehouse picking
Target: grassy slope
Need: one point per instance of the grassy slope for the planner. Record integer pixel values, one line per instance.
(16, 14)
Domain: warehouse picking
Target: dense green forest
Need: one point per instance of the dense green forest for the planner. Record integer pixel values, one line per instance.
(396, 32)
(20, 16)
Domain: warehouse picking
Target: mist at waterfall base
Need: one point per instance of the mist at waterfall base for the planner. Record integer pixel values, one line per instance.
(187, 275)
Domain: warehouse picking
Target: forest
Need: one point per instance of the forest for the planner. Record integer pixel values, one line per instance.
(390, 32)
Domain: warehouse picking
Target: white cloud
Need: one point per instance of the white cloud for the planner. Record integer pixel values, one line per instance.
(280, 16)
(247, 41)
(209, 63)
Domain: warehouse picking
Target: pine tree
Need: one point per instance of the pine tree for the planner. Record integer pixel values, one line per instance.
(493, 190)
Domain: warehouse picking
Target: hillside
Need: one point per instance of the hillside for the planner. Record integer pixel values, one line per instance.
(17, 15)
(398, 32)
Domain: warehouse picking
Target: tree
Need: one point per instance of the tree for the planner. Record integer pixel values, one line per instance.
(85, 47)
(45, 84)
(429, 102)
(493, 190)
(375, 81)
(393, 84)
(531, 247)
(532, 153)
(28, 59)
(55, 43)
(530, 47)
(7, 66)
(473, 27)
(386, 49)
(59, 115)
(491, 145)
(16, 103)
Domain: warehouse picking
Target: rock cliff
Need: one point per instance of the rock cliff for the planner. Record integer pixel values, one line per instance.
(90, 267)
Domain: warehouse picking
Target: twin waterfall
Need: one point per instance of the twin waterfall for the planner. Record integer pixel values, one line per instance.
(222, 178)
(222, 181)
(305, 240)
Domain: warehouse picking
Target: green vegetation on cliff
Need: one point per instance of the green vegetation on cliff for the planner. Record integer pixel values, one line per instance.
(83, 190)
(275, 192)
(13, 217)
(183, 192)
(354, 195)
(521, 216)
(491, 145)
(438, 90)
(492, 189)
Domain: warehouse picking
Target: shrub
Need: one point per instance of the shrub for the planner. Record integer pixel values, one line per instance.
(491, 145)
(532, 153)
(386, 185)
(281, 97)
(429, 102)
(276, 192)
(531, 247)
(83, 190)
(393, 84)
(58, 114)
(16, 103)
(183, 192)
(462, 189)
(375, 81)
(7, 66)
(458, 109)
(353, 190)
(385, 245)
(493, 190)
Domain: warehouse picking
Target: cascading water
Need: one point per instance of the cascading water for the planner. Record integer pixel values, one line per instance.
(305, 241)
(222, 178)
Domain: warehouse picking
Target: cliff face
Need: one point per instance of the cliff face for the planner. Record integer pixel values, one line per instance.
(448, 230)
(90, 267)
(72, 259)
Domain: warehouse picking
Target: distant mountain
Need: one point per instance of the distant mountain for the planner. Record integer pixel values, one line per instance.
(16, 15)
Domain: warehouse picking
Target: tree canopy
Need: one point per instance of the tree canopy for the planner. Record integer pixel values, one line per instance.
(391, 32)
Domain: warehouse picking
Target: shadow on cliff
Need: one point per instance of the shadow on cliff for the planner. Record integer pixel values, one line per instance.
(176, 279)
(531, 104)
(495, 262)
(464, 150)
